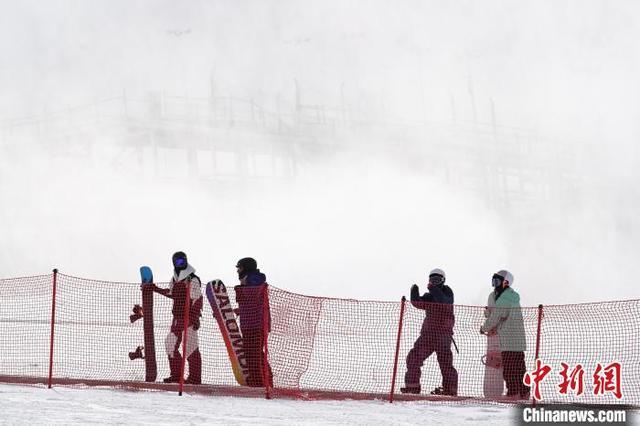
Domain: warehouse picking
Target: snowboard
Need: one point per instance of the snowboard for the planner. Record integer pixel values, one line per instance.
(226, 319)
(151, 368)
(493, 384)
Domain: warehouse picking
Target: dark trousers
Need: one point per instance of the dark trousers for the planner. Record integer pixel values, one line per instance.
(428, 343)
(513, 370)
(253, 345)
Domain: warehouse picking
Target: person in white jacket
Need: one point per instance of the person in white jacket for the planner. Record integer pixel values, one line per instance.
(505, 319)
(183, 274)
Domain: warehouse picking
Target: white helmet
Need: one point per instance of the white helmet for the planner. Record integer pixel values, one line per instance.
(506, 275)
(437, 271)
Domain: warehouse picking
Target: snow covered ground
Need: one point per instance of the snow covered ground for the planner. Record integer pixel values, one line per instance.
(36, 405)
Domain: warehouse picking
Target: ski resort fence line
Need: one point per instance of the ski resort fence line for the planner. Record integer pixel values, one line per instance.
(58, 329)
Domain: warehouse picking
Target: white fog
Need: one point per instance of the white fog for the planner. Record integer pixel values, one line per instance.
(349, 147)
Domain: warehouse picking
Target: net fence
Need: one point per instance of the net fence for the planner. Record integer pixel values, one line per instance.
(25, 325)
(346, 348)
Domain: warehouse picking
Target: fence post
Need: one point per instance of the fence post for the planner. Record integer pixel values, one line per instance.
(266, 326)
(53, 321)
(538, 332)
(187, 302)
(395, 361)
(538, 340)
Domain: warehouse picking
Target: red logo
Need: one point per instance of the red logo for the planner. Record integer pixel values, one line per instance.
(573, 380)
(538, 375)
(607, 379)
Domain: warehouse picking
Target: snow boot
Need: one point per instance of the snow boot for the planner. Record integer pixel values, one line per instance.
(195, 368)
(443, 391)
(175, 362)
(413, 389)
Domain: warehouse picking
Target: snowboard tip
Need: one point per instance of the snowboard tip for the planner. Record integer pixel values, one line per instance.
(146, 275)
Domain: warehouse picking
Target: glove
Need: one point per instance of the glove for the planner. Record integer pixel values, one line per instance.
(415, 293)
(177, 326)
(195, 323)
(194, 319)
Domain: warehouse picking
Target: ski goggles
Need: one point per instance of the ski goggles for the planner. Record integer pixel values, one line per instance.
(497, 280)
(180, 262)
(436, 279)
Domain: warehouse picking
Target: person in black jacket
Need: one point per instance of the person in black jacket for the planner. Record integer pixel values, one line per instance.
(436, 336)
(250, 296)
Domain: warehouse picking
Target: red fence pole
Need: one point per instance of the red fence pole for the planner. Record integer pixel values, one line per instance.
(395, 361)
(187, 302)
(53, 321)
(266, 325)
(538, 332)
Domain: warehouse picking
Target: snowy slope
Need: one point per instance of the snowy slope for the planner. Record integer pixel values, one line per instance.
(57, 406)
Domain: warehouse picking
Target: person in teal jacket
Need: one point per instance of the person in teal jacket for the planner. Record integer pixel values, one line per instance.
(506, 320)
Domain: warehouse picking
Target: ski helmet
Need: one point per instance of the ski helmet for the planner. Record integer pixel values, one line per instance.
(501, 276)
(246, 265)
(437, 271)
(437, 276)
(179, 260)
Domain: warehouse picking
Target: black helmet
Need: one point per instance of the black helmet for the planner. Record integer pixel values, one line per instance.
(246, 265)
(179, 260)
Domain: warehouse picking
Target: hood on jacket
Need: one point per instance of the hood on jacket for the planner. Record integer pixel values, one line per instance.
(509, 297)
(254, 278)
(182, 275)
